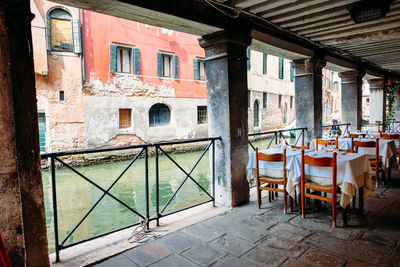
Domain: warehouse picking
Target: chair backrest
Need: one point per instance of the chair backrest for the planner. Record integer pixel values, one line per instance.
(390, 136)
(307, 146)
(319, 162)
(277, 157)
(326, 142)
(356, 135)
(375, 144)
(351, 149)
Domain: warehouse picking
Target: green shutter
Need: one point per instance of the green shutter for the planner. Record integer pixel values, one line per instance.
(264, 63)
(42, 131)
(113, 58)
(291, 74)
(76, 35)
(281, 68)
(248, 58)
(196, 69)
(159, 64)
(48, 32)
(136, 61)
(176, 67)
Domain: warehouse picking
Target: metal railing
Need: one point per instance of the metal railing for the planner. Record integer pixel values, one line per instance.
(388, 125)
(278, 136)
(143, 152)
(337, 128)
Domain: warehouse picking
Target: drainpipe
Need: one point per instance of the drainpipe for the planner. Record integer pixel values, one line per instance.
(83, 71)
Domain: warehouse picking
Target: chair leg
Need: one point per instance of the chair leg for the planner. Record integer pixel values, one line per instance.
(259, 198)
(354, 200)
(276, 193)
(291, 203)
(284, 199)
(333, 211)
(377, 176)
(361, 199)
(269, 195)
(302, 202)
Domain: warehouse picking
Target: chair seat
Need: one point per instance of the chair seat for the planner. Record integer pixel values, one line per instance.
(318, 186)
(266, 179)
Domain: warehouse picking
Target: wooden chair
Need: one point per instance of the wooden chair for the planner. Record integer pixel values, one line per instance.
(357, 135)
(332, 189)
(393, 136)
(351, 149)
(376, 162)
(271, 181)
(326, 143)
(307, 146)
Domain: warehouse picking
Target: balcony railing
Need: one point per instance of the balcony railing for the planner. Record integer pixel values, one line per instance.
(105, 191)
(340, 129)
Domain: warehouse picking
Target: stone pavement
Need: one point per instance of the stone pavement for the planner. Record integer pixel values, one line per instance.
(247, 236)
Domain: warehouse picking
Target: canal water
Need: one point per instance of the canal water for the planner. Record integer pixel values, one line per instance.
(75, 196)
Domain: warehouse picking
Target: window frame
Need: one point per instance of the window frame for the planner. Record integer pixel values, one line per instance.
(129, 121)
(163, 56)
(61, 94)
(201, 63)
(159, 123)
(121, 56)
(265, 99)
(279, 101)
(202, 115)
(291, 102)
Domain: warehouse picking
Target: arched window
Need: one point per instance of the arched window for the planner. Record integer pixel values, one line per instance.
(256, 113)
(63, 32)
(159, 114)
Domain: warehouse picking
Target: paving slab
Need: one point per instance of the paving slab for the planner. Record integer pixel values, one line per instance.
(175, 261)
(120, 261)
(320, 258)
(177, 241)
(203, 254)
(379, 242)
(262, 257)
(147, 254)
(286, 247)
(294, 263)
(233, 245)
(230, 261)
(203, 233)
(289, 232)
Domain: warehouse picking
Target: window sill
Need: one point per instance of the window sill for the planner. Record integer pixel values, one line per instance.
(63, 53)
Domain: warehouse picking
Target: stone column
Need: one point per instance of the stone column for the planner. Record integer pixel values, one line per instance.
(308, 95)
(22, 216)
(377, 100)
(227, 112)
(352, 98)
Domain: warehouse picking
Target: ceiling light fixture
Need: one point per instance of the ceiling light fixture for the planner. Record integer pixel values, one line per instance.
(369, 10)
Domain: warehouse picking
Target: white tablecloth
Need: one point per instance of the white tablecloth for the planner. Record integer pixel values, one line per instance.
(353, 171)
(387, 149)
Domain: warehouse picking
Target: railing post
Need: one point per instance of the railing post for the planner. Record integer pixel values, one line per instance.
(213, 171)
(302, 137)
(54, 193)
(157, 188)
(276, 138)
(146, 178)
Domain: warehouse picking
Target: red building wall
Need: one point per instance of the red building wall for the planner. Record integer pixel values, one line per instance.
(102, 30)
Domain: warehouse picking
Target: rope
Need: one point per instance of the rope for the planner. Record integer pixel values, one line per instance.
(141, 234)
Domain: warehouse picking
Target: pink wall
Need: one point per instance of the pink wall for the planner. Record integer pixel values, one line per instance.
(102, 30)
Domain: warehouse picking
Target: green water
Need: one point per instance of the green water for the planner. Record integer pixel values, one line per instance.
(75, 196)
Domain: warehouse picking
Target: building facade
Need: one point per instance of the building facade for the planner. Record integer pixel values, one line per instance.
(106, 81)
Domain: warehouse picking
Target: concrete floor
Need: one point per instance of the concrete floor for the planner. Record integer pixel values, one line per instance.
(247, 236)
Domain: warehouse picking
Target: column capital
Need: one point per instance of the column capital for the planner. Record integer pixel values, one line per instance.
(224, 37)
(308, 66)
(351, 76)
(376, 84)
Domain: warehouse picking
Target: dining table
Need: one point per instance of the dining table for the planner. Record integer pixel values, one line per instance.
(387, 149)
(353, 171)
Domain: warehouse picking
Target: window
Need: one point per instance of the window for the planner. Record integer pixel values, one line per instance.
(291, 102)
(125, 118)
(61, 96)
(279, 101)
(367, 99)
(291, 74)
(256, 112)
(124, 59)
(63, 32)
(265, 99)
(248, 59)
(42, 131)
(159, 115)
(201, 114)
(167, 65)
(199, 67)
(265, 63)
(248, 98)
(281, 68)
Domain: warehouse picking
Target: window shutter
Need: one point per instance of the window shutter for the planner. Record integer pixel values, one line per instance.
(280, 68)
(76, 35)
(48, 33)
(291, 74)
(176, 67)
(248, 58)
(264, 63)
(159, 64)
(113, 58)
(136, 61)
(196, 69)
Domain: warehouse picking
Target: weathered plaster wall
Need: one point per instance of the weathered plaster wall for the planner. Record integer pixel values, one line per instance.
(102, 119)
